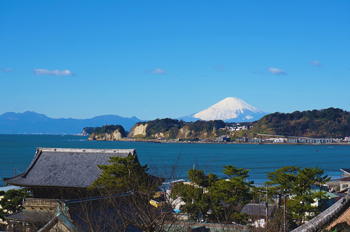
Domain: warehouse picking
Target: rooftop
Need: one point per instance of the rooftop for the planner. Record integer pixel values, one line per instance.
(257, 209)
(66, 167)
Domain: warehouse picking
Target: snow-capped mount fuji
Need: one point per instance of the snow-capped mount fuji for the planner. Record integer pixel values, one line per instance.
(230, 109)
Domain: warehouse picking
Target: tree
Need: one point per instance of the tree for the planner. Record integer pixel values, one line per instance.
(196, 200)
(128, 190)
(228, 195)
(197, 176)
(298, 184)
(12, 201)
(221, 200)
(302, 194)
(122, 175)
(281, 181)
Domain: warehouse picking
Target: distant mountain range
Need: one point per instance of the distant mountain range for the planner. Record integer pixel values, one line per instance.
(34, 123)
(230, 109)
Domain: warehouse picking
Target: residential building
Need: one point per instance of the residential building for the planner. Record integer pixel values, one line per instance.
(223, 138)
(258, 212)
(254, 140)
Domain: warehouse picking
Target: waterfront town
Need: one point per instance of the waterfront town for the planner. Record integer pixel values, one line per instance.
(133, 116)
(86, 196)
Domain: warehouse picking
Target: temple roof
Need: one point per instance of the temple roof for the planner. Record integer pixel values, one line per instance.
(66, 167)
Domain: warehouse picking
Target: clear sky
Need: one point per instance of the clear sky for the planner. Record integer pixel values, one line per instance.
(156, 59)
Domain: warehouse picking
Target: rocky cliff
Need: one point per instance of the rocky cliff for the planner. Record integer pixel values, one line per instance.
(174, 129)
(138, 130)
(110, 133)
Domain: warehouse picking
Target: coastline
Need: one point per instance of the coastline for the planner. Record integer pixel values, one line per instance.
(19, 150)
(195, 142)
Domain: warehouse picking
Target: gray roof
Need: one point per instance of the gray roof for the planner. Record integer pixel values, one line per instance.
(31, 216)
(257, 209)
(66, 167)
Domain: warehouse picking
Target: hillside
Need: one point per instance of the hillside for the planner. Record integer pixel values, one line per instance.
(328, 123)
(174, 129)
(111, 132)
(88, 130)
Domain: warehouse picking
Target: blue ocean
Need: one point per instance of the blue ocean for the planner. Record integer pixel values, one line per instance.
(17, 151)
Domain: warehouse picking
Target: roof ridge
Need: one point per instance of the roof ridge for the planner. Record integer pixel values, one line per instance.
(87, 150)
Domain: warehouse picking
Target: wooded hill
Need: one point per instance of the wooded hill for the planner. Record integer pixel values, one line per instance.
(327, 123)
(108, 132)
(174, 129)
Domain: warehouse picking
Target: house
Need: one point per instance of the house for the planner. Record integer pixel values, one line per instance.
(329, 199)
(291, 140)
(241, 140)
(257, 212)
(255, 140)
(344, 183)
(279, 140)
(344, 180)
(56, 177)
(344, 172)
(338, 213)
(223, 138)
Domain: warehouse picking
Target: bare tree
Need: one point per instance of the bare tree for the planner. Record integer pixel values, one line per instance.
(130, 198)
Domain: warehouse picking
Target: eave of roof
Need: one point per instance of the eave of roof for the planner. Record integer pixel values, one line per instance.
(30, 216)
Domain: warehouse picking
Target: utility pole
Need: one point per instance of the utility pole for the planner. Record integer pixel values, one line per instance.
(284, 211)
(267, 204)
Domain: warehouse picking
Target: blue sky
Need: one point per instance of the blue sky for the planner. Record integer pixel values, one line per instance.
(156, 59)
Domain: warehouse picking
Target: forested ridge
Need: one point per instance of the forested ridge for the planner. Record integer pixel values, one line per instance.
(108, 129)
(171, 128)
(327, 123)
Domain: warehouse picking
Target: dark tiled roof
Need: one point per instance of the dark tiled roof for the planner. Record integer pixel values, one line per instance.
(66, 167)
(257, 209)
(31, 216)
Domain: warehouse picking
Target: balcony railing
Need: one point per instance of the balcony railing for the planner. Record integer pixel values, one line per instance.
(40, 202)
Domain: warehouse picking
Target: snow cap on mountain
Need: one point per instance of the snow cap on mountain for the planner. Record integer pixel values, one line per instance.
(231, 109)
